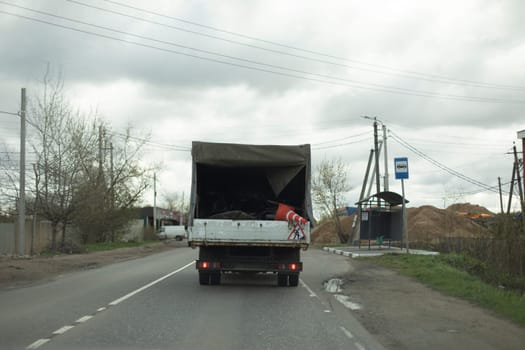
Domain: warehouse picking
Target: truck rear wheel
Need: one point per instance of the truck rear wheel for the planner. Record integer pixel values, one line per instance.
(215, 278)
(293, 280)
(282, 280)
(204, 277)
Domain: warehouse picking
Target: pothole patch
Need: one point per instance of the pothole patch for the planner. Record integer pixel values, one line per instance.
(335, 285)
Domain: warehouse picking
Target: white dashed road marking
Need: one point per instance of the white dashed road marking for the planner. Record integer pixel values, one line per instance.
(83, 319)
(129, 295)
(37, 344)
(63, 330)
(347, 332)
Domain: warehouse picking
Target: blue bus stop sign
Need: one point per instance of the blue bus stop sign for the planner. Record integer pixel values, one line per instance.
(401, 168)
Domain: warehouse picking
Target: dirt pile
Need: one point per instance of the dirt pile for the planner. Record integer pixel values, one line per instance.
(426, 223)
(326, 233)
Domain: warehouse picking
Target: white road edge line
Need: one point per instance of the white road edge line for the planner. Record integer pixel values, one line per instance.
(38, 344)
(100, 309)
(63, 330)
(312, 293)
(359, 346)
(347, 332)
(129, 295)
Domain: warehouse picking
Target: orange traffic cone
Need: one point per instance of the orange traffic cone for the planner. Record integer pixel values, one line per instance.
(287, 213)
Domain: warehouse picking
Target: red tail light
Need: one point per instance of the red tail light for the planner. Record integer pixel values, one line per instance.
(204, 264)
(293, 267)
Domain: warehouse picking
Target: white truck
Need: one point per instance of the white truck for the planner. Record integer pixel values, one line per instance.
(250, 209)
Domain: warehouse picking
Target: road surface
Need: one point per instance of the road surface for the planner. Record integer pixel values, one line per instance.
(156, 303)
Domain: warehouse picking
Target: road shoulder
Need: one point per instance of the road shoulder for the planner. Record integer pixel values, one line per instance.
(20, 272)
(404, 314)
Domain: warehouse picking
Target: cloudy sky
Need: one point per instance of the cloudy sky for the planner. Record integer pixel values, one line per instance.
(446, 78)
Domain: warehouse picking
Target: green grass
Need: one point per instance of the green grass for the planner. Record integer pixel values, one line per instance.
(439, 273)
(98, 247)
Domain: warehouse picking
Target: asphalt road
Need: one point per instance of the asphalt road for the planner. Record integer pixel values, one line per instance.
(157, 303)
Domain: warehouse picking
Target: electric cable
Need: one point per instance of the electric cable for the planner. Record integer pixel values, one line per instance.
(455, 173)
(322, 78)
(407, 75)
(431, 76)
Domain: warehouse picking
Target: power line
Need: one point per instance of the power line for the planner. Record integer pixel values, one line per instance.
(317, 148)
(10, 113)
(146, 141)
(343, 139)
(416, 74)
(322, 78)
(440, 165)
(287, 53)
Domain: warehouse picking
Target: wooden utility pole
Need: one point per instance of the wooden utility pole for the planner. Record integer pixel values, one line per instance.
(520, 189)
(155, 203)
(386, 185)
(376, 149)
(22, 195)
(500, 195)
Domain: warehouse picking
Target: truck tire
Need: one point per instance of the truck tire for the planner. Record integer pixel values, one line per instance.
(282, 280)
(293, 280)
(215, 278)
(204, 278)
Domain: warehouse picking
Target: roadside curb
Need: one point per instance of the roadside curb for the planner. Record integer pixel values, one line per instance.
(360, 253)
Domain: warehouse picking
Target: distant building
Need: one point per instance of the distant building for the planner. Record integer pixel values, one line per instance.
(346, 211)
(164, 216)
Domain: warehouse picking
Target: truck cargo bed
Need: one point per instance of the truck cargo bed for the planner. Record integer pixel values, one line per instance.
(249, 232)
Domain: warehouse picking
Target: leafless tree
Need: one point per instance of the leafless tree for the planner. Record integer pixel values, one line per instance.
(176, 201)
(55, 127)
(88, 176)
(329, 188)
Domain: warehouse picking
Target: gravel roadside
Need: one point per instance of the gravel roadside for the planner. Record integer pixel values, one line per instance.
(18, 272)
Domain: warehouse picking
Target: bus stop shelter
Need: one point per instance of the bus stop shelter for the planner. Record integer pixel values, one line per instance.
(381, 218)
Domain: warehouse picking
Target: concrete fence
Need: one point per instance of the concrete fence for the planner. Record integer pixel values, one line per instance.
(38, 237)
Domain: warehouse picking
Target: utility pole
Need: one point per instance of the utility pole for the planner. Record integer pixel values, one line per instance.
(112, 184)
(387, 187)
(500, 195)
(374, 170)
(520, 189)
(154, 202)
(357, 226)
(511, 192)
(376, 148)
(100, 148)
(22, 196)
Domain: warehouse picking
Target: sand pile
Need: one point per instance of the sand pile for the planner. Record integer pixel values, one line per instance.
(425, 223)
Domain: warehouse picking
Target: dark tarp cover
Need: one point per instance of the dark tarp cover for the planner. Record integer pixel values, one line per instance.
(229, 154)
(280, 163)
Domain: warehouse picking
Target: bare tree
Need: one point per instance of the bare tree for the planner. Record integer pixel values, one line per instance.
(177, 202)
(110, 190)
(57, 167)
(87, 175)
(329, 188)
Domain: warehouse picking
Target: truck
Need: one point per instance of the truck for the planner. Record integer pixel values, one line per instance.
(250, 209)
